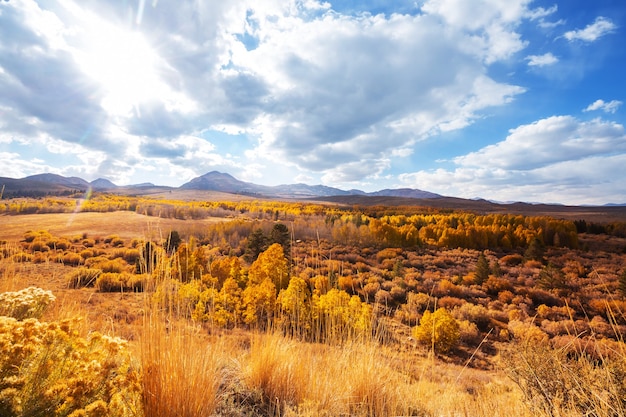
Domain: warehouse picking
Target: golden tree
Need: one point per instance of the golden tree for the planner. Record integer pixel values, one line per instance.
(271, 264)
(228, 309)
(295, 307)
(259, 301)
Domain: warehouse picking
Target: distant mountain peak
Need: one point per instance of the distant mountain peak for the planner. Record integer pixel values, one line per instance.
(59, 179)
(102, 184)
(211, 181)
(219, 181)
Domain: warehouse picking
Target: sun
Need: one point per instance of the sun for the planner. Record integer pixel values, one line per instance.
(125, 66)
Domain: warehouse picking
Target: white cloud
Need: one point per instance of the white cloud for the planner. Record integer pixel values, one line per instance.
(333, 95)
(541, 12)
(13, 166)
(558, 159)
(551, 25)
(602, 26)
(489, 24)
(335, 104)
(607, 107)
(541, 60)
(548, 141)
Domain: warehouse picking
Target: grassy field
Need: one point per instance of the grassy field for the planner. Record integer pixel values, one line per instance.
(173, 365)
(125, 224)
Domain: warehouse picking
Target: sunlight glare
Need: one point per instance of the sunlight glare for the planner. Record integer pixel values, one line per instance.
(125, 65)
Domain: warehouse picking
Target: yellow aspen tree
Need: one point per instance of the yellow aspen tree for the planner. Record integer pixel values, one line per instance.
(271, 264)
(295, 307)
(228, 309)
(259, 302)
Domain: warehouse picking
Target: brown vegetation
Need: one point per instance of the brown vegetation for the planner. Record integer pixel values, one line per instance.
(255, 313)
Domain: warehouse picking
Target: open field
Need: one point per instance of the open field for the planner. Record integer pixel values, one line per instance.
(126, 224)
(332, 329)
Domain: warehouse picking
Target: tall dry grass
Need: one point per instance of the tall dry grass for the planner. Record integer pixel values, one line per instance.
(181, 370)
(368, 379)
(585, 376)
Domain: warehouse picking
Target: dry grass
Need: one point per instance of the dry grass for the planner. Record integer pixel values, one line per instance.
(181, 372)
(192, 371)
(125, 224)
(367, 379)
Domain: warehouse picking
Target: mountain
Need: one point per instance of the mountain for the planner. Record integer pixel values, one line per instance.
(76, 182)
(218, 181)
(41, 185)
(44, 184)
(404, 192)
(304, 190)
(102, 184)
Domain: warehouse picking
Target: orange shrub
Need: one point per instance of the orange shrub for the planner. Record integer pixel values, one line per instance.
(22, 257)
(71, 258)
(89, 243)
(120, 282)
(40, 257)
(512, 260)
(38, 245)
(346, 284)
(83, 277)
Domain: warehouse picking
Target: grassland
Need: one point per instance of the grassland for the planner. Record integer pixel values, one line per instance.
(126, 224)
(537, 337)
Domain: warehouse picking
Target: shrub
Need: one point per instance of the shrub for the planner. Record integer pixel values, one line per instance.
(527, 332)
(83, 277)
(39, 258)
(89, 243)
(62, 244)
(111, 282)
(27, 303)
(87, 253)
(22, 257)
(439, 330)
(512, 260)
(71, 258)
(39, 246)
(129, 255)
(47, 370)
(106, 265)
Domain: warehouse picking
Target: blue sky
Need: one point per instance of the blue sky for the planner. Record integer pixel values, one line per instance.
(509, 100)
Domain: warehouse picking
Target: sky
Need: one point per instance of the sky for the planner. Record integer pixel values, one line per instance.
(507, 100)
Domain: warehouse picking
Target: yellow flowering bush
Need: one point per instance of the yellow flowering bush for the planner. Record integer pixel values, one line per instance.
(47, 369)
(29, 302)
(439, 330)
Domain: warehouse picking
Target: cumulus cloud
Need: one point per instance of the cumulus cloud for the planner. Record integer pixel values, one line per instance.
(334, 103)
(335, 95)
(592, 32)
(326, 93)
(492, 24)
(607, 107)
(557, 159)
(549, 141)
(541, 60)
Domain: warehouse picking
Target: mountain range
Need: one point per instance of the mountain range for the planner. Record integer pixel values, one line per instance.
(45, 184)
